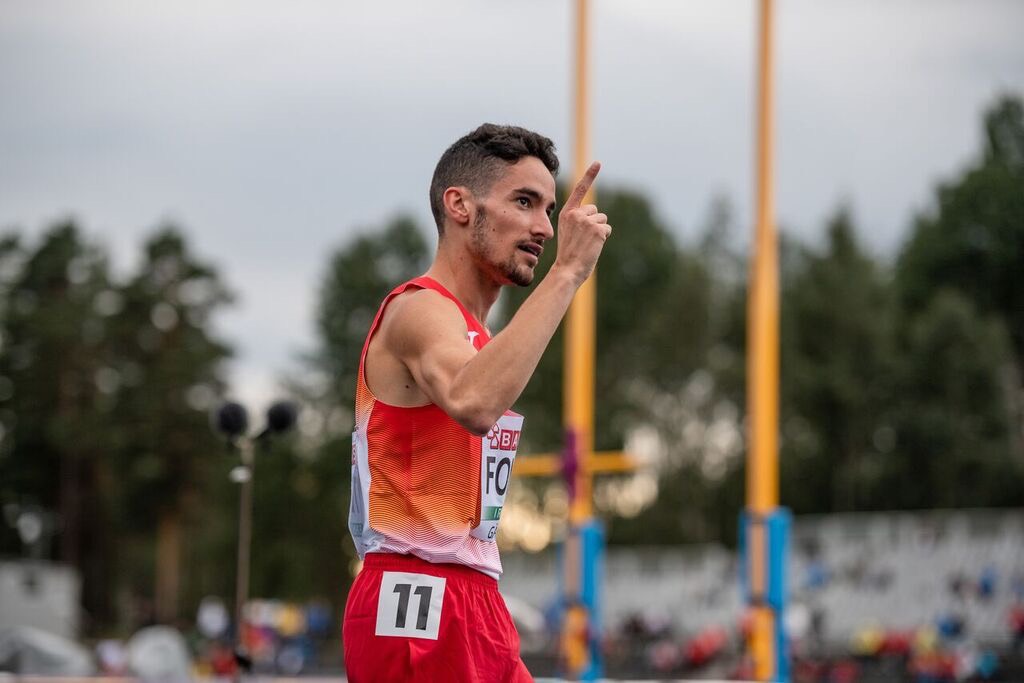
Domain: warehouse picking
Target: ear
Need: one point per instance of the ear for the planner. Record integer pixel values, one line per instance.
(458, 205)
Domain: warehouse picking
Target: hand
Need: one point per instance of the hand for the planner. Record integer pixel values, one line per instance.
(582, 230)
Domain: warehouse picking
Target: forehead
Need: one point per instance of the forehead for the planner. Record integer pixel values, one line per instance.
(527, 173)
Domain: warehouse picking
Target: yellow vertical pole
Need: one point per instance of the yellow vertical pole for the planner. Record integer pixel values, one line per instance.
(763, 356)
(578, 387)
(578, 380)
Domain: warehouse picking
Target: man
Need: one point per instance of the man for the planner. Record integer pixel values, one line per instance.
(435, 440)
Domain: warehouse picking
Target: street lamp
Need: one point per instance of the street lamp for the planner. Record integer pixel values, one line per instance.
(233, 422)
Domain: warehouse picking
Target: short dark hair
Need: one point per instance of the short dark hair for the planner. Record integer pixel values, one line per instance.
(476, 159)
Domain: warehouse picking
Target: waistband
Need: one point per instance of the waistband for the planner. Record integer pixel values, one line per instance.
(411, 563)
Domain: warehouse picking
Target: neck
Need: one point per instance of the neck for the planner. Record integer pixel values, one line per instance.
(461, 276)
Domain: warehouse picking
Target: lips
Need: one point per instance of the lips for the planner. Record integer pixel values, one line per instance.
(532, 248)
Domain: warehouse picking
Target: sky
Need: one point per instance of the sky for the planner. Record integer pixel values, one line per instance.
(273, 132)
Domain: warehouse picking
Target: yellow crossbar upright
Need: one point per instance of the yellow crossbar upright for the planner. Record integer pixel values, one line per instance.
(763, 358)
(578, 367)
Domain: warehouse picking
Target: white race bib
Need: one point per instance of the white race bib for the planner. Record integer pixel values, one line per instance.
(410, 605)
(497, 455)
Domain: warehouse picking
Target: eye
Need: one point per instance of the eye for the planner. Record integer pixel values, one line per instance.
(524, 202)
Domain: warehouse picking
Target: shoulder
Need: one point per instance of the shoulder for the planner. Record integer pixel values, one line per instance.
(421, 314)
(421, 302)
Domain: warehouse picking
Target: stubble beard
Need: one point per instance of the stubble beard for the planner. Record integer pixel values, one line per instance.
(509, 271)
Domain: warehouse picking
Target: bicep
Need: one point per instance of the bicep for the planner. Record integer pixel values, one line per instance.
(428, 335)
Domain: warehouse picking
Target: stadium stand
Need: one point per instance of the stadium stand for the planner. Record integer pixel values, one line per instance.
(861, 585)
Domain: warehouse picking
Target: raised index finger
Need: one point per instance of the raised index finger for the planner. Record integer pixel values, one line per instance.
(583, 186)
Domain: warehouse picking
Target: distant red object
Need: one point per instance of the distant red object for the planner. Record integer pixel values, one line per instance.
(844, 671)
(938, 665)
(222, 660)
(705, 646)
(1016, 618)
(896, 643)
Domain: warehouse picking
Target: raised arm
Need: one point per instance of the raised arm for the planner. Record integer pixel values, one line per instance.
(427, 331)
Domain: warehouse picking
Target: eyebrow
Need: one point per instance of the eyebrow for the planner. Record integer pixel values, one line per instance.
(530, 192)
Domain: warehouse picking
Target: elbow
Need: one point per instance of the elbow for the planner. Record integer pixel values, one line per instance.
(477, 428)
(477, 425)
(476, 419)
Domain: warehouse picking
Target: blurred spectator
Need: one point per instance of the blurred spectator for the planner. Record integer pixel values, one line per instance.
(291, 659)
(212, 618)
(951, 625)
(988, 665)
(933, 667)
(1016, 619)
(809, 671)
(318, 619)
(844, 671)
(159, 653)
(745, 625)
(816, 575)
(1017, 586)
(925, 640)
(879, 579)
(664, 656)
(868, 641)
(965, 660)
(896, 643)
(958, 585)
(857, 570)
(707, 645)
(797, 625)
(657, 622)
(818, 626)
(987, 582)
(633, 626)
(744, 670)
(112, 657)
(291, 621)
(222, 659)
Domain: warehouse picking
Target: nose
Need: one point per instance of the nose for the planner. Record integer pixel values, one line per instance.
(543, 228)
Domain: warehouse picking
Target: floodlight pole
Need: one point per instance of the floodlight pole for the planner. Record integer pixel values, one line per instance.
(232, 420)
(246, 451)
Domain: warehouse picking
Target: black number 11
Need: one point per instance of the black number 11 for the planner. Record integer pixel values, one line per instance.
(403, 604)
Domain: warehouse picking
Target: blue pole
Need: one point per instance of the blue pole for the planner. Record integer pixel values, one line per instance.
(777, 524)
(590, 537)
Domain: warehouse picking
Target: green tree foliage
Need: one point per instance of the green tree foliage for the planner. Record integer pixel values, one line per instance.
(970, 243)
(301, 550)
(688, 386)
(104, 388)
(950, 420)
(358, 278)
(167, 373)
(836, 369)
(973, 240)
(653, 313)
(53, 405)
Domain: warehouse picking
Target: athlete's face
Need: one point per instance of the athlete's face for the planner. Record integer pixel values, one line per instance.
(513, 221)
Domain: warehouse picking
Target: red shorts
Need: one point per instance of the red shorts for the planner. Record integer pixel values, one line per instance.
(410, 620)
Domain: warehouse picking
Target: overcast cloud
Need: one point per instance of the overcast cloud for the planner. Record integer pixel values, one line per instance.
(273, 131)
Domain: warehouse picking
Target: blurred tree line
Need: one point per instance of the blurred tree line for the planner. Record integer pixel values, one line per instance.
(902, 387)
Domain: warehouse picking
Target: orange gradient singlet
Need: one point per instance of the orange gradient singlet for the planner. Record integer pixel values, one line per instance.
(421, 483)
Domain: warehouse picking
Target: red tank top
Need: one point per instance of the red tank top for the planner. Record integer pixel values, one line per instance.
(421, 483)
